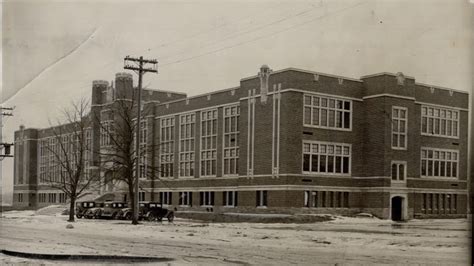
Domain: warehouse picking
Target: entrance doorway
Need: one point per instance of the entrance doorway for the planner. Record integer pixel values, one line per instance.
(397, 208)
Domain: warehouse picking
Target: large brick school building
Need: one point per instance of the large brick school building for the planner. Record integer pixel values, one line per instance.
(287, 141)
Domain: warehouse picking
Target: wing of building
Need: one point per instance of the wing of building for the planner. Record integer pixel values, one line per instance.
(287, 141)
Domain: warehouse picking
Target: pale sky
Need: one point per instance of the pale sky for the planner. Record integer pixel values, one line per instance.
(52, 50)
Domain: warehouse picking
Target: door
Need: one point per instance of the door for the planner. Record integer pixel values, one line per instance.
(397, 208)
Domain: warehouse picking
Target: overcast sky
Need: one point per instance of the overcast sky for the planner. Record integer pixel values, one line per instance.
(52, 50)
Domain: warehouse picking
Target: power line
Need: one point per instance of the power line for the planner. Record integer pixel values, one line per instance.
(261, 37)
(232, 36)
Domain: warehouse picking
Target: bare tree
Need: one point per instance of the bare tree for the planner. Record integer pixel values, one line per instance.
(68, 154)
(118, 158)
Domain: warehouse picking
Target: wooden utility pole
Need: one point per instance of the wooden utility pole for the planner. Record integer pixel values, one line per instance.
(138, 65)
(5, 148)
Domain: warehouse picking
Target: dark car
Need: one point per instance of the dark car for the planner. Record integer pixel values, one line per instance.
(154, 211)
(82, 207)
(111, 209)
(150, 211)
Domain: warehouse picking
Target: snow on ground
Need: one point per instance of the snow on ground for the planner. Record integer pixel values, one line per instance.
(342, 240)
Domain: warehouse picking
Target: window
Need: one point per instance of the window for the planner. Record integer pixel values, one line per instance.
(328, 199)
(438, 203)
(399, 127)
(231, 140)
(311, 199)
(52, 197)
(141, 196)
(62, 198)
(442, 122)
(166, 146)
(166, 198)
(261, 198)
(106, 131)
(20, 197)
(206, 198)
(185, 198)
(87, 153)
(142, 161)
(186, 145)
(208, 142)
(43, 160)
(230, 198)
(326, 157)
(399, 171)
(439, 163)
(325, 112)
(42, 197)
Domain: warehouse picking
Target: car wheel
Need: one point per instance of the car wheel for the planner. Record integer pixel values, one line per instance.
(128, 216)
(170, 218)
(78, 216)
(151, 217)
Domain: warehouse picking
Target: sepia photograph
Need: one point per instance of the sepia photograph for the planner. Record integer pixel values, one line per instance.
(240, 132)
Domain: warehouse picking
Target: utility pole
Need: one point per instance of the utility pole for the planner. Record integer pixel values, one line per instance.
(5, 148)
(138, 65)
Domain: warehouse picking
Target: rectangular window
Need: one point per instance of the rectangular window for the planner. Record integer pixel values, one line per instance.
(229, 198)
(399, 171)
(141, 196)
(185, 199)
(42, 197)
(166, 146)
(186, 145)
(261, 198)
(399, 127)
(326, 157)
(311, 199)
(106, 133)
(327, 112)
(439, 162)
(208, 142)
(206, 198)
(20, 197)
(143, 158)
(166, 198)
(231, 140)
(442, 122)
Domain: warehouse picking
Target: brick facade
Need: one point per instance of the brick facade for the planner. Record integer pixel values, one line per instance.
(272, 133)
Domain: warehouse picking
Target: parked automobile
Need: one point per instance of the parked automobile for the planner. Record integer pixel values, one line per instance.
(155, 212)
(127, 213)
(150, 211)
(94, 212)
(111, 209)
(82, 207)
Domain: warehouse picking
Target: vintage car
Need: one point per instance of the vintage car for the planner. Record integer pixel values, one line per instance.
(93, 213)
(111, 209)
(83, 207)
(150, 211)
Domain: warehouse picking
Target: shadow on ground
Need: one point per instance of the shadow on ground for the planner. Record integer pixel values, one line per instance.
(86, 258)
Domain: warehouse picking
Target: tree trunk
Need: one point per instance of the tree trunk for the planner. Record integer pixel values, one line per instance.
(132, 200)
(72, 212)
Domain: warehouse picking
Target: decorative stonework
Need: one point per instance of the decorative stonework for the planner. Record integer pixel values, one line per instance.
(316, 77)
(264, 74)
(123, 75)
(100, 83)
(208, 97)
(400, 78)
(432, 89)
(340, 81)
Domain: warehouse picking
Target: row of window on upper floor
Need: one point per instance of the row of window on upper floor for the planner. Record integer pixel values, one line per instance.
(334, 113)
